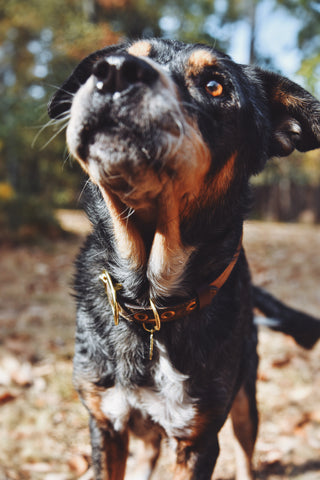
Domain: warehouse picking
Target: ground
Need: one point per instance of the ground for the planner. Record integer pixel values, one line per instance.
(43, 426)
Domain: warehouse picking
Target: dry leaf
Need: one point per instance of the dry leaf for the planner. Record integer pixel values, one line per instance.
(6, 396)
(78, 464)
(23, 375)
(37, 467)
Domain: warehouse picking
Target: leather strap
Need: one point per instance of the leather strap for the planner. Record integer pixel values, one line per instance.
(204, 297)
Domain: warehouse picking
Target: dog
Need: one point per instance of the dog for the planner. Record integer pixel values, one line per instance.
(170, 134)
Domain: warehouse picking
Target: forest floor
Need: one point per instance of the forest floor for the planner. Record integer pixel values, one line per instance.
(43, 426)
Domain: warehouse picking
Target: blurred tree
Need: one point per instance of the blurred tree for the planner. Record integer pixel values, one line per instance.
(217, 21)
(40, 42)
(309, 41)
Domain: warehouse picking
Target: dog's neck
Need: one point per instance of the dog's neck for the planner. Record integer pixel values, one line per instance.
(150, 244)
(150, 240)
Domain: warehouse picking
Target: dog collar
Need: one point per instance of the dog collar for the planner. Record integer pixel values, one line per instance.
(152, 317)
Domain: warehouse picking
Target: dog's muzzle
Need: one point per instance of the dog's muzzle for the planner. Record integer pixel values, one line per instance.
(130, 133)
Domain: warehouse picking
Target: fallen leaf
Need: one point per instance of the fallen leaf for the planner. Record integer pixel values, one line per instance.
(88, 475)
(78, 464)
(315, 416)
(273, 457)
(37, 467)
(23, 375)
(5, 378)
(263, 376)
(6, 396)
(281, 362)
(56, 476)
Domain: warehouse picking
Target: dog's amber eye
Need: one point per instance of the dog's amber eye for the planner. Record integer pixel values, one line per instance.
(214, 88)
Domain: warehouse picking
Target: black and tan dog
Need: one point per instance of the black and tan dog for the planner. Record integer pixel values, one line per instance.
(169, 135)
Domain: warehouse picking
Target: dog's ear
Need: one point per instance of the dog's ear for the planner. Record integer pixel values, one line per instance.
(62, 99)
(295, 115)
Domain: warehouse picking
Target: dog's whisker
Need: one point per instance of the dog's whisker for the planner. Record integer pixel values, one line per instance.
(87, 183)
(127, 213)
(130, 192)
(67, 157)
(100, 253)
(113, 177)
(63, 90)
(54, 136)
(50, 123)
(131, 212)
(64, 102)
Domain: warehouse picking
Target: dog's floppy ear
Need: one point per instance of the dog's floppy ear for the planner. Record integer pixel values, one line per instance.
(295, 115)
(62, 99)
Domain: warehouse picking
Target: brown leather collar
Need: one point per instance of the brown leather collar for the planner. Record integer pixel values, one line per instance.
(154, 316)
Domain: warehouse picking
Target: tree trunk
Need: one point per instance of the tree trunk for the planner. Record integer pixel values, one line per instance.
(252, 10)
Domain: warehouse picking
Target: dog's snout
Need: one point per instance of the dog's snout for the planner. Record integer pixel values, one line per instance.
(118, 72)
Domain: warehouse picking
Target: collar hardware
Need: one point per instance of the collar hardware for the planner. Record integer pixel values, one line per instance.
(155, 315)
(192, 306)
(151, 341)
(111, 292)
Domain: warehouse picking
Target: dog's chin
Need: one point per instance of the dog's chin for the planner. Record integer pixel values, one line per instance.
(142, 195)
(136, 188)
(119, 166)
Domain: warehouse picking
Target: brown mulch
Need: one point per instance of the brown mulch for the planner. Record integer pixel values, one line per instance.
(43, 426)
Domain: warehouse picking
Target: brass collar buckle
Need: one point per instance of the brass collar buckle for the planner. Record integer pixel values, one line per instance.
(205, 295)
(111, 291)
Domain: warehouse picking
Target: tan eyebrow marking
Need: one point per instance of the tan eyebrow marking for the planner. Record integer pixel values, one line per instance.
(141, 48)
(198, 60)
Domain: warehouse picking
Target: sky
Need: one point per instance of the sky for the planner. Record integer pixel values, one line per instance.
(277, 34)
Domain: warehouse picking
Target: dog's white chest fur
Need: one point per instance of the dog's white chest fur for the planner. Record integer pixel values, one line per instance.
(167, 403)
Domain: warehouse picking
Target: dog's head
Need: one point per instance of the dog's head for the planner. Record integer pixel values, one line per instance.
(173, 131)
(157, 111)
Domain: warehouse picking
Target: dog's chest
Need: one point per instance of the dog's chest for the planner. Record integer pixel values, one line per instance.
(167, 402)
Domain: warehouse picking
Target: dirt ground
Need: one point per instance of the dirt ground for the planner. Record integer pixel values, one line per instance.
(43, 426)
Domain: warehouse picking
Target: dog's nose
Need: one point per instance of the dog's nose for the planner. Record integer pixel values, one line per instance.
(118, 72)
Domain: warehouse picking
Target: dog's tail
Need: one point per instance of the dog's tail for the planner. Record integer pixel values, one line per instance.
(304, 328)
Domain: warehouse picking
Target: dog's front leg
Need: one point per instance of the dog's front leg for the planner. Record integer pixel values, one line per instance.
(109, 452)
(196, 462)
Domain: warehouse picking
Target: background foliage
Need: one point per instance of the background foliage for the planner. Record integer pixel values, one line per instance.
(40, 42)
